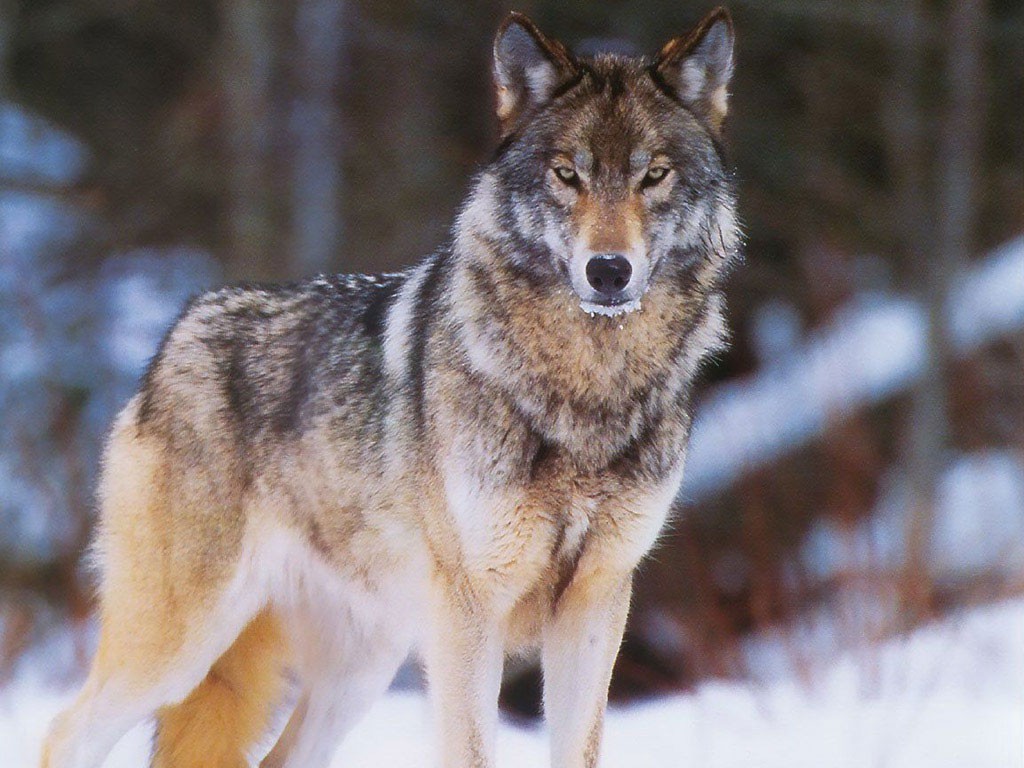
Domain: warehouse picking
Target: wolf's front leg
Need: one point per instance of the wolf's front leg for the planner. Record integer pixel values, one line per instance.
(580, 645)
(464, 658)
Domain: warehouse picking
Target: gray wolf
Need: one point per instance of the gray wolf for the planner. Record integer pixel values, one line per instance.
(468, 458)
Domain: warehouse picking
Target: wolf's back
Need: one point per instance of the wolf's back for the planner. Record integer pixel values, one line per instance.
(252, 365)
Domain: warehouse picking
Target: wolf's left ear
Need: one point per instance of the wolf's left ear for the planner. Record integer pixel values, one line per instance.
(698, 66)
(528, 68)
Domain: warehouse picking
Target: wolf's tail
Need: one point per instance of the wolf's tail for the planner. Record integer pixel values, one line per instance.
(223, 718)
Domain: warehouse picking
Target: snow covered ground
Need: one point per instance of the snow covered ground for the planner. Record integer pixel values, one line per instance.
(950, 695)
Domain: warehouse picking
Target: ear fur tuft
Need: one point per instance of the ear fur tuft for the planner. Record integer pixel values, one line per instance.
(528, 68)
(698, 66)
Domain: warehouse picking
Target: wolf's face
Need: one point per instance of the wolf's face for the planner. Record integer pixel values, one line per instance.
(610, 166)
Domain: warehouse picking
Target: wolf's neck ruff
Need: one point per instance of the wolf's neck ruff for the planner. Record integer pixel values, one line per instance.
(579, 379)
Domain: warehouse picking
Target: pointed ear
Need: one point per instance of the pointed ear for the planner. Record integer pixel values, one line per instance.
(528, 68)
(698, 66)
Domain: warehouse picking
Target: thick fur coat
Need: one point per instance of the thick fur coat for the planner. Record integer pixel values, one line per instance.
(466, 458)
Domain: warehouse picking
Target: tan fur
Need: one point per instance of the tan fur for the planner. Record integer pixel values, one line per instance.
(221, 720)
(165, 561)
(610, 226)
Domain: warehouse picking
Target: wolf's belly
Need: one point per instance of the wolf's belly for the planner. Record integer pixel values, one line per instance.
(373, 587)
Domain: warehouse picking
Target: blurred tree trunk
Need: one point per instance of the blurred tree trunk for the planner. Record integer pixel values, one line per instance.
(939, 236)
(6, 28)
(925, 434)
(963, 125)
(419, 119)
(255, 226)
(318, 136)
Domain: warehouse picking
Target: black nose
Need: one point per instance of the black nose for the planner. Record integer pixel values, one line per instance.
(609, 273)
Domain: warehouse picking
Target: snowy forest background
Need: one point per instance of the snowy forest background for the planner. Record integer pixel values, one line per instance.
(857, 471)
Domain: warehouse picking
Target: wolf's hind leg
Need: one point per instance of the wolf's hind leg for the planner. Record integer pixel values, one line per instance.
(343, 674)
(138, 669)
(223, 718)
(83, 735)
(174, 595)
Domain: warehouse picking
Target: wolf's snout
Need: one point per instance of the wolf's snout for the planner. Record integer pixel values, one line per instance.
(609, 273)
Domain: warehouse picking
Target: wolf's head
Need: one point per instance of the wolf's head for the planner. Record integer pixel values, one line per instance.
(609, 172)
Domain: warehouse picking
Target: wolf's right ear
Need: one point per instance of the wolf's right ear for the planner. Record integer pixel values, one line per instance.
(698, 66)
(528, 68)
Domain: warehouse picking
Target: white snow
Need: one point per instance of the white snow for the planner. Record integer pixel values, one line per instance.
(145, 291)
(977, 524)
(610, 311)
(950, 695)
(989, 300)
(873, 349)
(33, 149)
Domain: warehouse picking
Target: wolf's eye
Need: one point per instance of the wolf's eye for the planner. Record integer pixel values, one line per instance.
(566, 174)
(655, 174)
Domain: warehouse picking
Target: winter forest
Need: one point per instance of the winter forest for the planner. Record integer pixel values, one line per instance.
(842, 583)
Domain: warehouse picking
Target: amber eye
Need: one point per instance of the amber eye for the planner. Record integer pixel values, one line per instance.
(566, 174)
(655, 174)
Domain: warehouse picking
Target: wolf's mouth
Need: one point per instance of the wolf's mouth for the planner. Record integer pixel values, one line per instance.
(610, 310)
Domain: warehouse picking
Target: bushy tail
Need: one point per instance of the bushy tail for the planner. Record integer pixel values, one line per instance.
(221, 721)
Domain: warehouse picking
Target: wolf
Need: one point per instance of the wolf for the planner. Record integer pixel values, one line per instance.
(465, 459)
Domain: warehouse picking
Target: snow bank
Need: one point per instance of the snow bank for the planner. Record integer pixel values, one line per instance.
(948, 696)
(32, 149)
(873, 349)
(977, 528)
